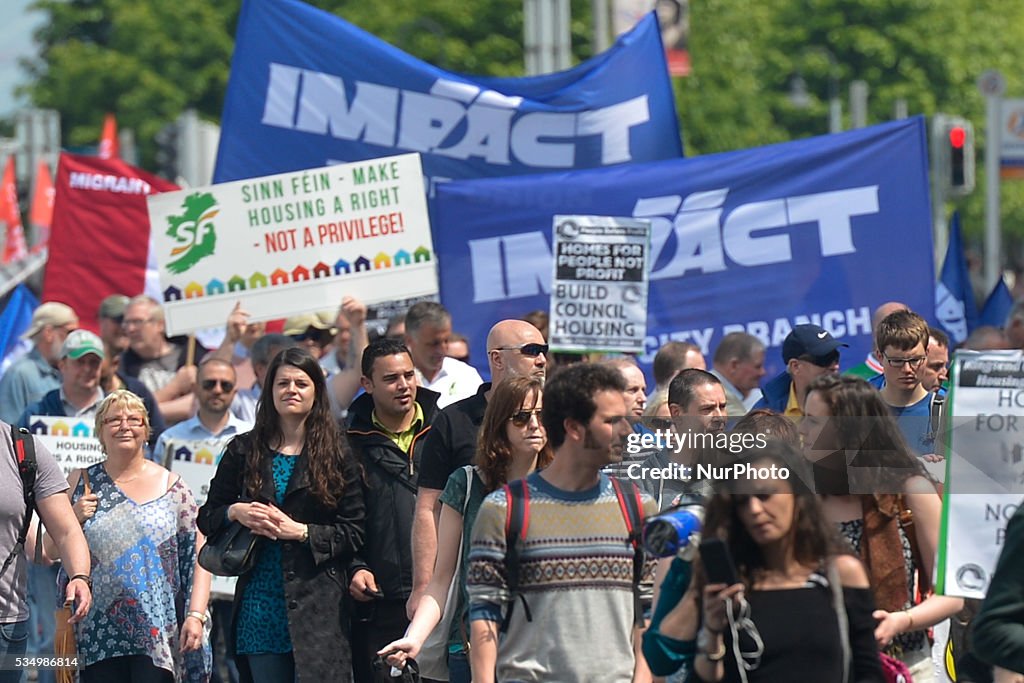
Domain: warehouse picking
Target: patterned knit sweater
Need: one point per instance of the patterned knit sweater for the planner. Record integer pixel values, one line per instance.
(576, 573)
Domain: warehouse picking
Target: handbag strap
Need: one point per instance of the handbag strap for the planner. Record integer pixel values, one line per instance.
(836, 585)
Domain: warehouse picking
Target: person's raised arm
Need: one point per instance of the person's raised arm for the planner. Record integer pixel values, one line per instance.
(63, 527)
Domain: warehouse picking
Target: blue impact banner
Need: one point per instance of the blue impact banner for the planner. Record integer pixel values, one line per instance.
(308, 89)
(819, 230)
(955, 307)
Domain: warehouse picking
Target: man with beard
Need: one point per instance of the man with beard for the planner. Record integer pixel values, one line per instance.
(388, 426)
(575, 561)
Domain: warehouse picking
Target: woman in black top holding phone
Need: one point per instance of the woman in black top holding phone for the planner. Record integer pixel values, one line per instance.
(294, 481)
(785, 624)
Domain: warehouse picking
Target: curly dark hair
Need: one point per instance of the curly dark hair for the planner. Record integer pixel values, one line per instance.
(325, 446)
(813, 537)
(494, 451)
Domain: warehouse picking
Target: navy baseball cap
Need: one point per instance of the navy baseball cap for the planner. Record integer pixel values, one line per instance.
(810, 340)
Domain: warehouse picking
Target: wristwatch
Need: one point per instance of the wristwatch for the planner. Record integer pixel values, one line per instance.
(704, 640)
(305, 533)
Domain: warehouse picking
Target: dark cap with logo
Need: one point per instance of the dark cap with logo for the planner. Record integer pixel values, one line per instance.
(809, 340)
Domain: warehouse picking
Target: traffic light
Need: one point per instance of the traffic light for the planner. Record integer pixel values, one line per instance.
(952, 155)
(167, 151)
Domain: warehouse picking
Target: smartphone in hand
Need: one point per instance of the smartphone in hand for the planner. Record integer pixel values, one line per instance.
(717, 562)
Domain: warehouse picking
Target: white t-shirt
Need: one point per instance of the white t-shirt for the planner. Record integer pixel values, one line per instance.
(455, 381)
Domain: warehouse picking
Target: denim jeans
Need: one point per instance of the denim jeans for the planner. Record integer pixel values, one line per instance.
(13, 642)
(42, 601)
(458, 668)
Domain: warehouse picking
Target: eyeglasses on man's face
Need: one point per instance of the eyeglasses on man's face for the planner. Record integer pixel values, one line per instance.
(914, 363)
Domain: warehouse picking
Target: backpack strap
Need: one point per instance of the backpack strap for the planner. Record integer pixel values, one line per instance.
(936, 411)
(25, 457)
(517, 523)
(631, 506)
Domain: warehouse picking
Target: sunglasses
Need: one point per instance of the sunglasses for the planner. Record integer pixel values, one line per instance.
(522, 418)
(822, 361)
(532, 350)
(742, 499)
(209, 384)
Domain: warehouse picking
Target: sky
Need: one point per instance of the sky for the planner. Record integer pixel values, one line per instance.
(15, 42)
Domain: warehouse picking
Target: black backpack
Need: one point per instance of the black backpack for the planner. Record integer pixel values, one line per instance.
(517, 523)
(25, 456)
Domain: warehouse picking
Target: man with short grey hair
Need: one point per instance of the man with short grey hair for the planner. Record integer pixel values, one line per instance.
(428, 325)
(739, 364)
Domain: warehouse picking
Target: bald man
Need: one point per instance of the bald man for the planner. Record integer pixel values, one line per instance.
(872, 367)
(514, 348)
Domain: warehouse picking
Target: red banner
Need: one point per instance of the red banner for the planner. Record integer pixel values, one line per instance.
(99, 240)
(10, 213)
(41, 214)
(109, 147)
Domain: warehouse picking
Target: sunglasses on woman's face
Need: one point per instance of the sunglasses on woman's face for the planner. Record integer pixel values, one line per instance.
(742, 499)
(522, 418)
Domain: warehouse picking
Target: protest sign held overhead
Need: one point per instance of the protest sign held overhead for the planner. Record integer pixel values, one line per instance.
(294, 242)
(985, 468)
(599, 292)
(309, 89)
(756, 240)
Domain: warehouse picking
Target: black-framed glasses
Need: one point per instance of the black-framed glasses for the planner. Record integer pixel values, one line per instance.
(209, 384)
(821, 361)
(522, 418)
(532, 349)
(914, 363)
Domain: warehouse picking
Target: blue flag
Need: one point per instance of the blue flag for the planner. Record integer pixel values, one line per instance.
(955, 307)
(997, 306)
(14, 320)
(756, 240)
(309, 89)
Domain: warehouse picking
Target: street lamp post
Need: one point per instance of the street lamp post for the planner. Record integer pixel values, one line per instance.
(798, 90)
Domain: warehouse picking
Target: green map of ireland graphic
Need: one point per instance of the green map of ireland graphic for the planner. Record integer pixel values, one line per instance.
(192, 231)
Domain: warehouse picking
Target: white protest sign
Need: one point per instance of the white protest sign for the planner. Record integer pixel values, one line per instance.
(196, 462)
(599, 288)
(71, 440)
(985, 468)
(293, 242)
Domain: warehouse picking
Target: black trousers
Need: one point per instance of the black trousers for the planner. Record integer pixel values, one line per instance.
(129, 669)
(375, 625)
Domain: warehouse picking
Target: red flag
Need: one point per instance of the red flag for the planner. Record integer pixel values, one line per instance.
(109, 148)
(14, 246)
(41, 213)
(100, 238)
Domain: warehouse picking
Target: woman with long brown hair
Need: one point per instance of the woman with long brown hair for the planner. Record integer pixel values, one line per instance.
(294, 481)
(512, 443)
(869, 481)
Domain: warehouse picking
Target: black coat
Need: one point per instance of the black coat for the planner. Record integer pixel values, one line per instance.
(389, 480)
(315, 581)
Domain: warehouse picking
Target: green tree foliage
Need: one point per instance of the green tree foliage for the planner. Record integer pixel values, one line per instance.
(148, 61)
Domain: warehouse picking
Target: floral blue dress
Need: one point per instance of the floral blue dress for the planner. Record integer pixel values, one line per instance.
(142, 568)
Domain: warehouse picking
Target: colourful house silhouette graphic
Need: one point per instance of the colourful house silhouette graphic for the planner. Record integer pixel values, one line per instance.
(321, 270)
(38, 427)
(194, 290)
(183, 453)
(341, 265)
(300, 274)
(81, 429)
(236, 284)
(203, 457)
(279, 277)
(214, 286)
(381, 260)
(257, 280)
(402, 258)
(60, 429)
(172, 294)
(421, 254)
(362, 263)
